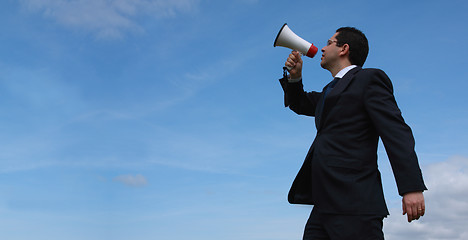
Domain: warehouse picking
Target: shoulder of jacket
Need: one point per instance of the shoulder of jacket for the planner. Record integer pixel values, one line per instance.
(372, 73)
(371, 70)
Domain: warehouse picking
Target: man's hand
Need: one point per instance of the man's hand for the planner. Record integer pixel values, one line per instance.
(294, 64)
(413, 205)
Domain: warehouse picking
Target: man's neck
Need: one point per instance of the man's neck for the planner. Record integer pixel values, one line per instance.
(338, 68)
(339, 64)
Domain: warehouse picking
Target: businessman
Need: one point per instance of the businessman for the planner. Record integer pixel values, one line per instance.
(339, 175)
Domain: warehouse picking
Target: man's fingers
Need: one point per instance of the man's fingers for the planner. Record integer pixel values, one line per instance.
(295, 56)
(413, 212)
(409, 213)
(413, 205)
(298, 56)
(420, 211)
(416, 212)
(290, 63)
(423, 208)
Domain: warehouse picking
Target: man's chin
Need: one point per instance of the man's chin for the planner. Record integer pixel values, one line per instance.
(323, 65)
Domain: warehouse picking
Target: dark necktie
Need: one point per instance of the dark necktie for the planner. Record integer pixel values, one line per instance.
(330, 87)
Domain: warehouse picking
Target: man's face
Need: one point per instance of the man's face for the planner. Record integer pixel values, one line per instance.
(330, 53)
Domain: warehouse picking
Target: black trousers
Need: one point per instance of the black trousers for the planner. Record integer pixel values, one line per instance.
(322, 226)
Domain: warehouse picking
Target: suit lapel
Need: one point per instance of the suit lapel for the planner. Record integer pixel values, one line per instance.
(333, 97)
(318, 109)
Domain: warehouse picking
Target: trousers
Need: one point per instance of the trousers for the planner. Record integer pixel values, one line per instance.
(321, 226)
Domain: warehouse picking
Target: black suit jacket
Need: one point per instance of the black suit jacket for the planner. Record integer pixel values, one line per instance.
(340, 174)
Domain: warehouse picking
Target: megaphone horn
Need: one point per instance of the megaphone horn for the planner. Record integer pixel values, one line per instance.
(287, 38)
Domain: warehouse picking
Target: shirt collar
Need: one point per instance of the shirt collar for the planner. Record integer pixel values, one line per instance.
(343, 71)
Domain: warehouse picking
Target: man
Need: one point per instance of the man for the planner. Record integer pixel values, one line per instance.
(339, 175)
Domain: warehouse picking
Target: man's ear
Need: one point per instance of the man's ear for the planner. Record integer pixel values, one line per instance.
(344, 50)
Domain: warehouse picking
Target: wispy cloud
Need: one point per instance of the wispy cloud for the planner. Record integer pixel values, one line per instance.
(108, 19)
(446, 205)
(137, 180)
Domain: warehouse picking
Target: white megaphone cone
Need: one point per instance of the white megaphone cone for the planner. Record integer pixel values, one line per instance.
(287, 38)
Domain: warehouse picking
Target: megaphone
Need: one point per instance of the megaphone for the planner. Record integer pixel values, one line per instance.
(287, 38)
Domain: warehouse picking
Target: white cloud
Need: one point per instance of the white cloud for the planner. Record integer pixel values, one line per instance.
(108, 19)
(446, 205)
(130, 180)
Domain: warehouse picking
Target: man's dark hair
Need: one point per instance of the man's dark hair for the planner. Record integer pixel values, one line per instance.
(357, 41)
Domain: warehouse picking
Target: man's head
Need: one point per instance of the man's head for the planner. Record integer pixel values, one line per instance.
(357, 41)
(348, 46)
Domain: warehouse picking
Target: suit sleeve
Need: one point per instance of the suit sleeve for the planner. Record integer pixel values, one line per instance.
(299, 101)
(396, 135)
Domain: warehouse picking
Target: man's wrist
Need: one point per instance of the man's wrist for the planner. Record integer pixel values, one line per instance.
(294, 79)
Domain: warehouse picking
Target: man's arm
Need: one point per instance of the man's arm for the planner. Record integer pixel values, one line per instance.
(296, 98)
(398, 140)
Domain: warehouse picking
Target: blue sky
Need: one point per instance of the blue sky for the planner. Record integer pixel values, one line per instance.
(153, 119)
